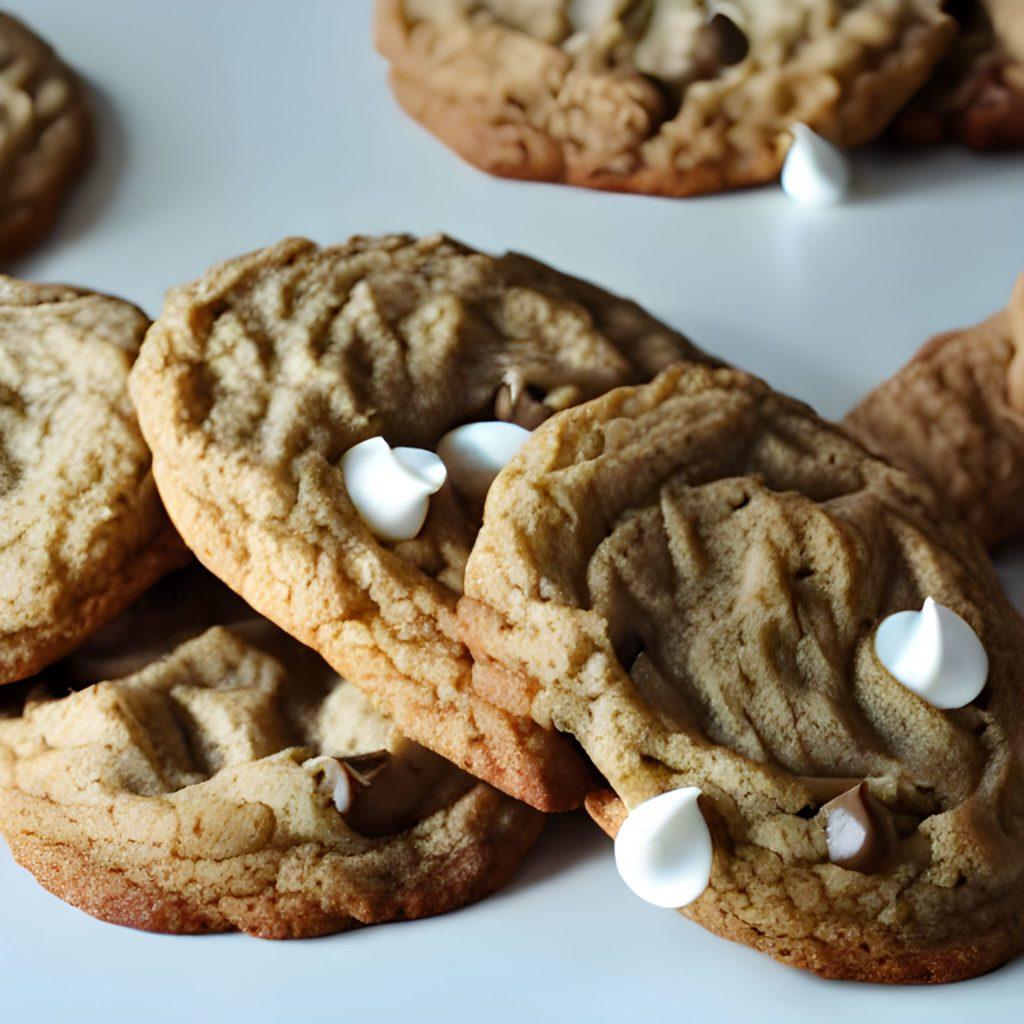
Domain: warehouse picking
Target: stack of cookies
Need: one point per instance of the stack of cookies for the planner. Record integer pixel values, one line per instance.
(458, 540)
(321, 591)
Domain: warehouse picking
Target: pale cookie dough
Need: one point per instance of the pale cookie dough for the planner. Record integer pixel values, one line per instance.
(671, 97)
(954, 416)
(259, 377)
(82, 531)
(44, 136)
(976, 95)
(687, 577)
(200, 792)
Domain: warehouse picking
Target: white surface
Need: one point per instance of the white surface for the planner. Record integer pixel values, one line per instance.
(225, 125)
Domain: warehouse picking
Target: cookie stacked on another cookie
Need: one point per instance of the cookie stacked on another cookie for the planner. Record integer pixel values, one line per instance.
(518, 512)
(225, 778)
(689, 577)
(670, 97)
(261, 378)
(82, 530)
(45, 139)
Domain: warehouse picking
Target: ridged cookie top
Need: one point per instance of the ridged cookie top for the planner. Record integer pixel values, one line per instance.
(199, 793)
(687, 576)
(257, 379)
(78, 509)
(668, 96)
(218, 730)
(45, 135)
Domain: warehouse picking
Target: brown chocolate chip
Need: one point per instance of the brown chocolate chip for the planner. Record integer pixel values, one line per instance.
(393, 790)
(514, 403)
(823, 787)
(858, 830)
(365, 767)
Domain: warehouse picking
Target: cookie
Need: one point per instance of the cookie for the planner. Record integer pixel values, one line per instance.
(82, 531)
(687, 577)
(237, 783)
(668, 97)
(976, 95)
(259, 378)
(954, 416)
(45, 140)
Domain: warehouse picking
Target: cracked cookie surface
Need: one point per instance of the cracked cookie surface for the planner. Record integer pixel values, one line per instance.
(82, 531)
(257, 379)
(686, 576)
(672, 97)
(195, 794)
(954, 416)
(44, 138)
(976, 95)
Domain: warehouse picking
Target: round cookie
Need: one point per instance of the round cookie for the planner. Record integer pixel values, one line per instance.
(45, 139)
(198, 793)
(687, 576)
(82, 531)
(976, 95)
(259, 377)
(668, 97)
(954, 417)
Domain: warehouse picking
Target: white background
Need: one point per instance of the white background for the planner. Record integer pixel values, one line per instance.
(226, 124)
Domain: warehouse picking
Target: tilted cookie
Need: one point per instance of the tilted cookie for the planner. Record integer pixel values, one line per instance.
(976, 95)
(673, 97)
(237, 783)
(272, 391)
(954, 416)
(688, 577)
(45, 137)
(82, 531)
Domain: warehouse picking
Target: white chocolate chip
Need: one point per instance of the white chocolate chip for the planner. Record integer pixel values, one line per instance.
(815, 172)
(663, 850)
(391, 488)
(477, 452)
(334, 778)
(935, 653)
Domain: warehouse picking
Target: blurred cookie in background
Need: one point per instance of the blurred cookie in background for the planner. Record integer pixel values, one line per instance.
(977, 93)
(44, 138)
(668, 97)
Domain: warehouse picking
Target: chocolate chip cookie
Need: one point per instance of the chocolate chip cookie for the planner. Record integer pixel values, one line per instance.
(260, 378)
(954, 416)
(45, 136)
(976, 95)
(671, 97)
(82, 531)
(687, 576)
(237, 783)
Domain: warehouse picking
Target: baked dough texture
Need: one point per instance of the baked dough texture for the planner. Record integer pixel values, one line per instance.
(258, 377)
(44, 136)
(187, 797)
(669, 97)
(954, 416)
(82, 531)
(976, 95)
(686, 576)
